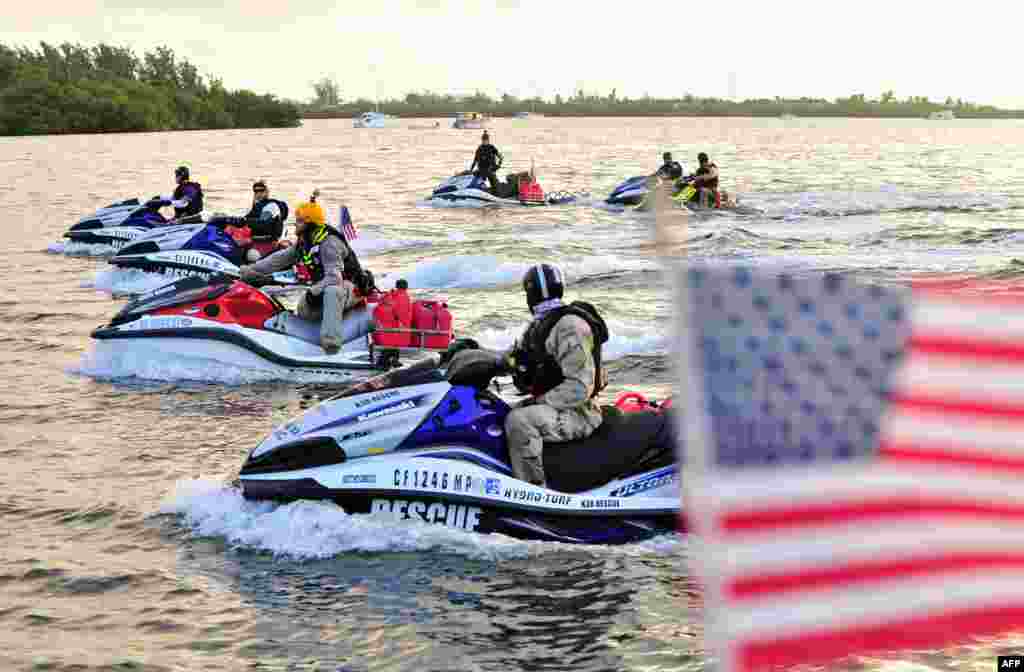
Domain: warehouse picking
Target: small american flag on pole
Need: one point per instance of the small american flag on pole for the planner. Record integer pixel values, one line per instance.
(855, 475)
(348, 229)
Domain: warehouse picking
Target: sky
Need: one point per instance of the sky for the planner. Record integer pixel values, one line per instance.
(387, 48)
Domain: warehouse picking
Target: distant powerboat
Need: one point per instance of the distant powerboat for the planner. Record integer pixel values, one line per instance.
(374, 120)
(943, 115)
(470, 120)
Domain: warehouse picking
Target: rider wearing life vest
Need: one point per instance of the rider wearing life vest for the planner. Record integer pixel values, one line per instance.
(670, 169)
(323, 258)
(486, 161)
(261, 228)
(187, 198)
(705, 181)
(558, 362)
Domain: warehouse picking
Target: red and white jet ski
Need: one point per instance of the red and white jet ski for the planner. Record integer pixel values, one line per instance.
(230, 322)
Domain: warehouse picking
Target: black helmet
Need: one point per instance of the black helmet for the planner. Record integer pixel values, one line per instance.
(181, 171)
(702, 157)
(542, 282)
(667, 156)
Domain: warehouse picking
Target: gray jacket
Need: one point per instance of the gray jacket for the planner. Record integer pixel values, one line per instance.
(332, 254)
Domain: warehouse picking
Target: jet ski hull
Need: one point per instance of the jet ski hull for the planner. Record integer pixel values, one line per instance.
(114, 236)
(232, 344)
(481, 197)
(112, 215)
(630, 192)
(440, 487)
(178, 263)
(193, 263)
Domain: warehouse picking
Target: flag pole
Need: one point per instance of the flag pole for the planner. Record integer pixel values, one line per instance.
(671, 228)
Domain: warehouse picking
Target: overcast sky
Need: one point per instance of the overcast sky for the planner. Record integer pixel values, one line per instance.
(817, 48)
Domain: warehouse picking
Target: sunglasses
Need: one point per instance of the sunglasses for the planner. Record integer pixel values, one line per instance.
(259, 191)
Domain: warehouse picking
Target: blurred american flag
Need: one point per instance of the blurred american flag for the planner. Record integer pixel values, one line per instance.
(348, 229)
(853, 473)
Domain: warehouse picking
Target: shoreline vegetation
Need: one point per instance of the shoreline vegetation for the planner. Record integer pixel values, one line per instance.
(327, 104)
(71, 88)
(75, 89)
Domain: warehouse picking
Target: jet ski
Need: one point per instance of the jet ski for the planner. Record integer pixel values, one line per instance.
(231, 322)
(111, 215)
(203, 250)
(469, 188)
(630, 192)
(635, 192)
(120, 223)
(422, 444)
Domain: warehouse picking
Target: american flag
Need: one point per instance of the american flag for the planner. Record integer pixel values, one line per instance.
(854, 477)
(348, 229)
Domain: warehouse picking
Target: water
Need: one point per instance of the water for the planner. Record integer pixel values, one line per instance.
(125, 547)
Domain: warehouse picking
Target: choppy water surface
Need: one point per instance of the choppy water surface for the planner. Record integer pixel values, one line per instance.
(125, 548)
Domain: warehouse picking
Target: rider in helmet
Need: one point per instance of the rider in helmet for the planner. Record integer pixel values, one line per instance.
(705, 181)
(187, 198)
(487, 160)
(669, 169)
(322, 257)
(557, 361)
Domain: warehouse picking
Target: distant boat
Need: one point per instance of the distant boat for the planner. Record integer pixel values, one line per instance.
(374, 120)
(942, 115)
(787, 115)
(470, 120)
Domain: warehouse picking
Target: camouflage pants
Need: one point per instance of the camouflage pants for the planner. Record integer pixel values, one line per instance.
(526, 430)
(336, 300)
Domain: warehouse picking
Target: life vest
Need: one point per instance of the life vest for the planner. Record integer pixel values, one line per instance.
(310, 267)
(195, 204)
(266, 229)
(672, 170)
(537, 371)
(487, 158)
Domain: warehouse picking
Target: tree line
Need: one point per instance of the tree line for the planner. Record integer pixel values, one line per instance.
(327, 102)
(72, 88)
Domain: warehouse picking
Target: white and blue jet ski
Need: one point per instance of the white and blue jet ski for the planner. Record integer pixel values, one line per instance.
(421, 444)
(202, 250)
(470, 189)
(120, 223)
(630, 192)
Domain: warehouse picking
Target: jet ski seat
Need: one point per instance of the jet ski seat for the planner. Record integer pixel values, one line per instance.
(624, 444)
(356, 323)
(293, 325)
